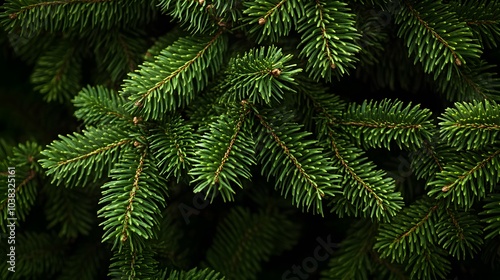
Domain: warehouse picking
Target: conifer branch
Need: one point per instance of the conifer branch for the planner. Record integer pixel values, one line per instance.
(473, 85)
(271, 19)
(436, 35)
(326, 43)
(377, 124)
(24, 182)
(182, 68)
(290, 156)
(332, 24)
(99, 105)
(430, 151)
(271, 11)
(172, 144)
(53, 3)
(135, 188)
(353, 173)
(218, 165)
(177, 74)
(380, 125)
(422, 221)
(128, 54)
(231, 143)
(92, 150)
(466, 176)
(259, 76)
(93, 153)
(308, 176)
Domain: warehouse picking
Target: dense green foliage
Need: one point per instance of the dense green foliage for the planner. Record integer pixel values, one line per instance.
(231, 139)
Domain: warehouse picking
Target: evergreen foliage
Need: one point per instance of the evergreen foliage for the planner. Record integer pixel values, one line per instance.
(218, 139)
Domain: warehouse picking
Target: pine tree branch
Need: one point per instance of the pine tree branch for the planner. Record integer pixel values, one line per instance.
(32, 17)
(259, 76)
(90, 151)
(133, 200)
(53, 3)
(271, 19)
(182, 68)
(415, 227)
(135, 188)
(332, 24)
(411, 232)
(172, 143)
(436, 37)
(231, 143)
(431, 30)
(271, 11)
(466, 126)
(467, 175)
(291, 157)
(348, 168)
(100, 106)
(179, 72)
(326, 43)
(225, 154)
(57, 72)
(308, 175)
(377, 124)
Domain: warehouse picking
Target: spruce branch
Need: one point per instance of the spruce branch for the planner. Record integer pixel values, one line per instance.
(307, 175)
(333, 25)
(225, 154)
(436, 37)
(474, 81)
(315, 105)
(483, 18)
(172, 143)
(431, 159)
(199, 17)
(177, 74)
(471, 126)
(70, 211)
(75, 158)
(33, 16)
(410, 232)
(356, 259)
(162, 42)
(370, 191)
(468, 180)
(57, 72)
(195, 273)
(132, 201)
(99, 105)
(130, 264)
(26, 180)
(378, 124)
(271, 19)
(259, 76)
(459, 233)
(431, 263)
(119, 52)
(491, 213)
